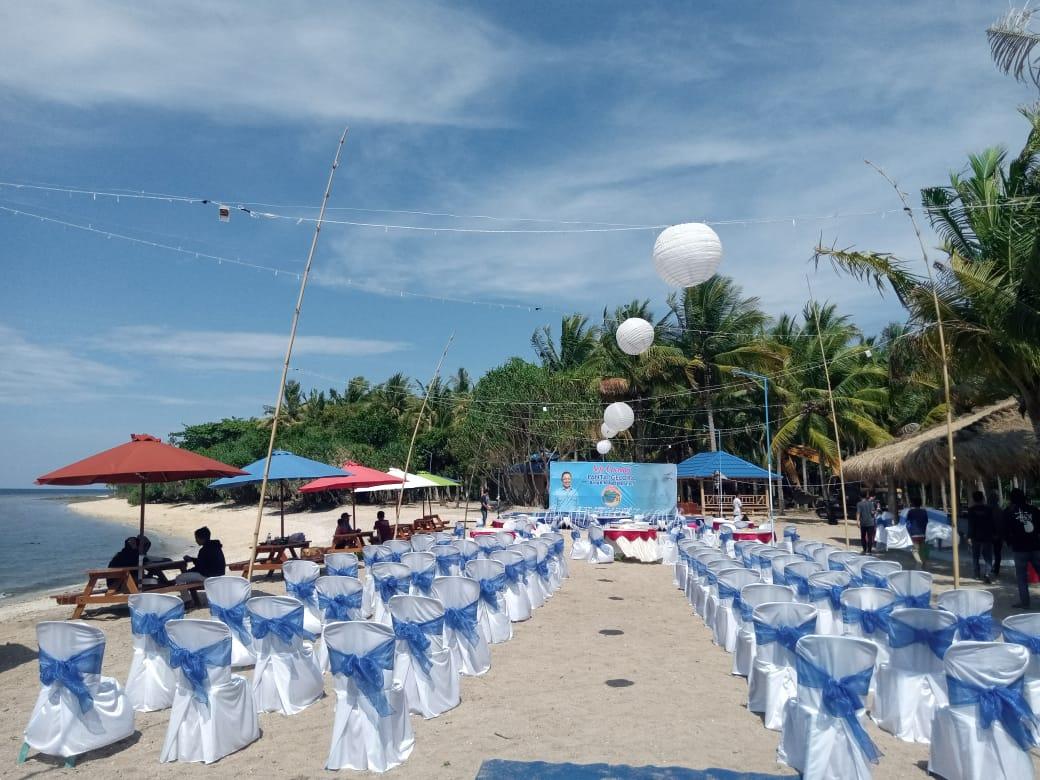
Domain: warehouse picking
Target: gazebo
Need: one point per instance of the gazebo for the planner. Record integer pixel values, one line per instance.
(713, 465)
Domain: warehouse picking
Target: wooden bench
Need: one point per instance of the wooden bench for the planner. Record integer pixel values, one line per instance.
(123, 586)
(277, 553)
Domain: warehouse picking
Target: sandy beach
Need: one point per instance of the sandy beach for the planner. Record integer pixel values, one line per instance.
(546, 697)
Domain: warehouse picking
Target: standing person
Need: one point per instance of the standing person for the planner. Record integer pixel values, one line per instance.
(485, 505)
(917, 524)
(867, 523)
(1022, 532)
(738, 508)
(982, 521)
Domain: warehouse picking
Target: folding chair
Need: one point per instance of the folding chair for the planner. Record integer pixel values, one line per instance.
(151, 683)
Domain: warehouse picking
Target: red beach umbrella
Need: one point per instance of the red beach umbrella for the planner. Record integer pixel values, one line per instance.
(360, 477)
(142, 460)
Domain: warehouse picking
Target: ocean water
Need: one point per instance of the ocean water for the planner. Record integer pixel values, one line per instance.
(45, 545)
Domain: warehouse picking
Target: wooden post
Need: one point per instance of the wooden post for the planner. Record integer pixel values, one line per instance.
(704, 507)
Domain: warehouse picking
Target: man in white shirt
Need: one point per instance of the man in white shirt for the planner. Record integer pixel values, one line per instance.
(738, 508)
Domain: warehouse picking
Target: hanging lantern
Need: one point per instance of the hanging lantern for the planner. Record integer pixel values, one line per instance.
(607, 432)
(619, 416)
(634, 336)
(603, 446)
(686, 255)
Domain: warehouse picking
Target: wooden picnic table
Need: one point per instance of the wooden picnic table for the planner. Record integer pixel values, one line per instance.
(271, 555)
(119, 584)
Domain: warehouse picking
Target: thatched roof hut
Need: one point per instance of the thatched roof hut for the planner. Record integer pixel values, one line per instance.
(994, 441)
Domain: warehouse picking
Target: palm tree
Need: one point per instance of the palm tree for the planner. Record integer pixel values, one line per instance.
(576, 347)
(294, 407)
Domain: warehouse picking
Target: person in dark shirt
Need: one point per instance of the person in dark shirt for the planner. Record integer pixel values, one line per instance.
(210, 560)
(382, 528)
(125, 557)
(917, 524)
(1022, 532)
(341, 537)
(982, 522)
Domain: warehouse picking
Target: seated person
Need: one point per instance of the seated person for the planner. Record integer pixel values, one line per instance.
(344, 533)
(210, 560)
(125, 557)
(382, 530)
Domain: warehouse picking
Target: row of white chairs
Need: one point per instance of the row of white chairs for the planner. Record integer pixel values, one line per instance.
(865, 629)
(401, 652)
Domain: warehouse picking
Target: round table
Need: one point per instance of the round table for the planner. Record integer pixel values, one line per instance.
(638, 543)
(752, 536)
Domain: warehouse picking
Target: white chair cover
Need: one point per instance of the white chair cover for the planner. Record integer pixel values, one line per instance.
(389, 580)
(822, 555)
(864, 614)
(1025, 630)
(711, 600)
(421, 542)
(213, 711)
(765, 562)
(371, 730)
(600, 550)
(151, 683)
(442, 537)
(487, 543)
(63, 723)
(504, 539)
(854, 566)
(541, 577)
(227, 597)
(468, 550)
(342, 564)
(449, 559)
(339, 599)
(581, 548)
(679, 570)
(423, 568)
(912, 588)
(966, 744)
(518, 603)
(376, 553)
(535, 591)
(796, 575)
(837, 561)
(974, 610)
(821, 738)
(773, 680)
(778, 564)
(912, 685)
(875, 574)
(287, 678)
(825, 589)
(753, 596)
(397, 548)
(728, 616)
(461, 599)
(558, 553)
(894, 537)
(300, 578)
(492, 614)
(424, 664)
(699, 584)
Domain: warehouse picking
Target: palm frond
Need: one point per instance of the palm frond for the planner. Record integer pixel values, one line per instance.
(1011, 44)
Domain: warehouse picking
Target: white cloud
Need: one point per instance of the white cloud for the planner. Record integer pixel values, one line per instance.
(387, 62)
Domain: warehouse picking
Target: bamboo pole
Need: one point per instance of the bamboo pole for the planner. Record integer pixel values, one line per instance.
(951, 456)
(834, 416)
(415, 431)
(288, 354)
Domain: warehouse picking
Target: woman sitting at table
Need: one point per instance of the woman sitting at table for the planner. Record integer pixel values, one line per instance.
(127, 557)
(342, 537)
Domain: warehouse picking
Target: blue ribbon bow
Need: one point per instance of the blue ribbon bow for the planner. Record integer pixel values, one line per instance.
(834, 565)
(466, 559)
(459, 531)
(792, 534)
(388, 587)
(340, 606)
(575, 536)
(875, 580)
(68, 672)
(872, 620)
(415, 636)
(285, 627)
(445, 562)
(154, 625)
(798, 582)
(345, 571)
(920, 601)
(602, 544)
(395, 556)
(367, 672)
(978, 628)
(304, 591)
(423, 580)
(234, 618)
(490, 588)
(727, 592)
(463, 620)
(1030, 642)
(374, 555)
(726, 537)
(901, 634)
(542, 568)
(516, 572)
(841, 699)
(831, 592)
(193, 664)
(787, 636)
(1006, 704)
(557, 548)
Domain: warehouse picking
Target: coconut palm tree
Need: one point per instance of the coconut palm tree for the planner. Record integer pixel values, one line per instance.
(577, 345)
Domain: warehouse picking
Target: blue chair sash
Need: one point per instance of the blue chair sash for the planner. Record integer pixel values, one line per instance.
(285, 627)
(441, 541)
(871, 620)
(557, 548)
(466, 559)
(835, 565)
(490, 587)
(367, 672)
(792, 534)
(979, 628)
(798, 582)
(68, 672)
(304, 591)
(445, 562)
(459, 531)
(542, 568)
(516, 572)
(345, 571)
(901, 634)
(374, 556)
(1007, 705)
(234, 618)
(340, 606)
(415, 635)
(388, 587)
(423, 580)
(1029, 641)
(463, 620)
(154, 625)
(725, 537)
(920, 601)
(602, 544)
(727, 592)
(841, 699)
(394, 557)
(831, 592)
(575, 536)
(875, 580)
(193, 663)
(787, 636)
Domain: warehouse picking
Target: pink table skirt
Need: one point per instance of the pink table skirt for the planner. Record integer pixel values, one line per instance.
(629, 534)
(486, 531)
(716, 524)
(752, 536)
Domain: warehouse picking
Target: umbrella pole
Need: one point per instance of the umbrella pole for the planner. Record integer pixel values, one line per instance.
(281, 504)
(353, 509)
(288, 354)
(140, 542)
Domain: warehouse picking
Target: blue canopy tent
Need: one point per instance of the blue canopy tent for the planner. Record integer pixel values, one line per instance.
(285, 466)
(713, 465)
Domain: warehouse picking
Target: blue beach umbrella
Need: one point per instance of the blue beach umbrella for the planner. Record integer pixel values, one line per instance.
(285, 466)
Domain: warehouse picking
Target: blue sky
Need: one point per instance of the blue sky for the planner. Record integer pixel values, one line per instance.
(648, 113)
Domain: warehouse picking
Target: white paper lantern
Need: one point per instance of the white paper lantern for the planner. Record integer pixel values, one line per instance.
(686, 255)
(607, 432)
(619, 416)
(634, 336)
(603, 446)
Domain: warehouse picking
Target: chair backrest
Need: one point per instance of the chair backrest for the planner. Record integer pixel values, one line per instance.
(984, 665)
(595, 532)
(823, 553)
(419, 561)
(357, 637)
(797, 575)
(763, 593)
(418, 609)
(839, 657)
(541, 548)
(467, 547)
(194, 635)
(421, 542)
(920, 657)
(782, 615)
(855, 564)
(487, 543)
(836, 561)
(876, 573)
(456, 592)
(509, 557)
(1025, 627)
(446, 555)
(829, 580)
(269, 607)
(719, 565)
(227, 591)
(397, 547)
(528, 551)
(329, 587)
(966, 602)
(735, 579)
(504, 538)
(869, 600)
(300, 571)
(342, 562)
(62, 639)
(399, 571)
(484, 569)
(808, 549)
(442, 537)
(912, 587)
(779, 562)
(376, 553)
(158, 603)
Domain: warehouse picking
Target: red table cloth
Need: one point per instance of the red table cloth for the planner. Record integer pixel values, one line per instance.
(631, 534)
(717, 523)
(495, 530)
(752, 536)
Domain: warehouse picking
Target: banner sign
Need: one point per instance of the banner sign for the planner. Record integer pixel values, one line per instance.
(634, 487)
